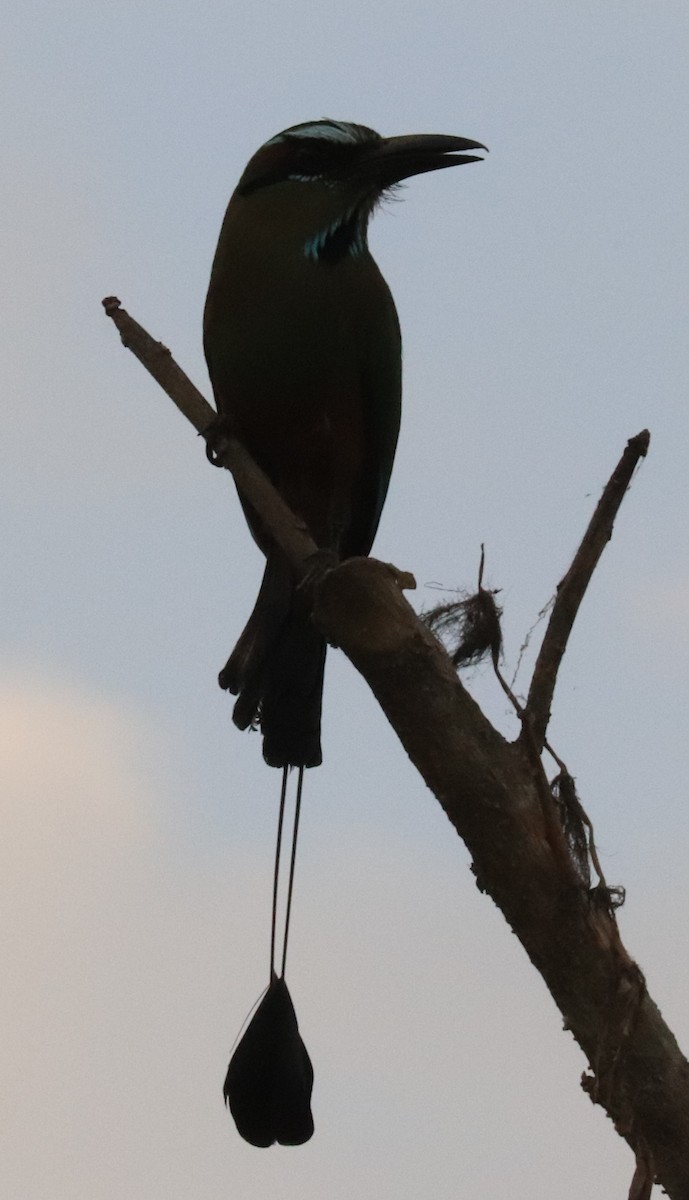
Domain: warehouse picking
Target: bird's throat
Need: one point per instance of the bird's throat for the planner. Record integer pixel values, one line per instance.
(346, 236)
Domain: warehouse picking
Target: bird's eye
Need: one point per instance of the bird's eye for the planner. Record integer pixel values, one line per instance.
(307, 159)
(305, 164)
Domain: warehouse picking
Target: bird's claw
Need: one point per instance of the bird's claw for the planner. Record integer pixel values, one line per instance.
(216, 435)
(316, 566)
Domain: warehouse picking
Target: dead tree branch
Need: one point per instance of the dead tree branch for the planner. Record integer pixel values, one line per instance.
(497, 797)
(572, 587)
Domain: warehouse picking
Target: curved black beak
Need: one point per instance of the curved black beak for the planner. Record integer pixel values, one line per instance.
(397, 158)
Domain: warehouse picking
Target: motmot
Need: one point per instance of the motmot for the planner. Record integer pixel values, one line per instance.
(303, 347)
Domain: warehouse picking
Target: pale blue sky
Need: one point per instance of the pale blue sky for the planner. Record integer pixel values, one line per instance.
(543, 303)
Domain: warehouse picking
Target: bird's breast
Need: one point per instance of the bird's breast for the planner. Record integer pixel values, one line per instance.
(293, 346)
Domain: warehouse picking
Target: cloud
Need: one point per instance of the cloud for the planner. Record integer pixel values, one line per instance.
(81, 817)
(71, 765)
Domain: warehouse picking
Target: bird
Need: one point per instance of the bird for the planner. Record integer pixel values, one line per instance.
(303, 347)
(304, 354)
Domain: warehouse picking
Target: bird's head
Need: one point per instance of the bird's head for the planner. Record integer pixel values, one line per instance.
(322, 180)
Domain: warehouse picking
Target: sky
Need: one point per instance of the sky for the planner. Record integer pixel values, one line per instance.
(542, 297)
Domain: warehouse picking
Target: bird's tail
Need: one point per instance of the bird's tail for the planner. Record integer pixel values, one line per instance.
(276, 671)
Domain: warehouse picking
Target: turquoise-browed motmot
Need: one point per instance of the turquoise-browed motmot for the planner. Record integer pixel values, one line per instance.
(303, 349)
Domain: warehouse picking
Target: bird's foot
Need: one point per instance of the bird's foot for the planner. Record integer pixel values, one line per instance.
(316, 566)
(217, 435)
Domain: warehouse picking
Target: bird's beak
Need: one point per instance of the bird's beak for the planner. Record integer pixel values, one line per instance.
(393, 159)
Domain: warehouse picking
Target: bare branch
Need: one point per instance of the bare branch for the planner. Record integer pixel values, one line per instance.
(573, 585)
(493, 793)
